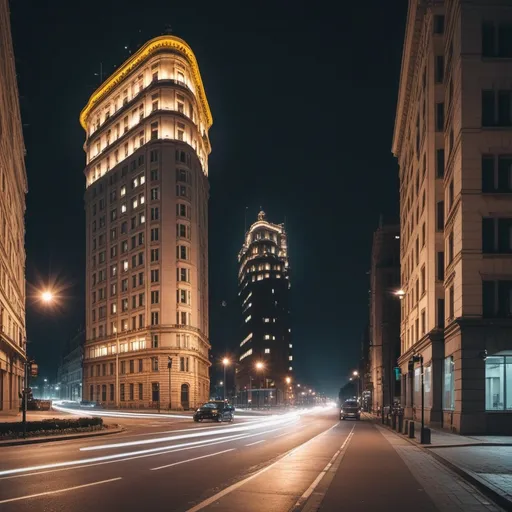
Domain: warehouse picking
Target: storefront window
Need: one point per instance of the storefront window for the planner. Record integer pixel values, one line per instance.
(498, 383)
(417, 387)
(428, 386)
(448, 384)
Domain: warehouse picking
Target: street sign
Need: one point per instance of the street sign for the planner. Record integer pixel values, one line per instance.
(398, 373)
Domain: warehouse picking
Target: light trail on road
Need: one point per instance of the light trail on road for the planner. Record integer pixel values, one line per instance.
(122, 457)
(284, 419)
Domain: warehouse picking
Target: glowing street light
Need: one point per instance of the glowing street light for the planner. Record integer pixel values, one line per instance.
(400, 294)
(47, 296)
(259, 365)
(225, 362)
(288, 380)
(355, 373)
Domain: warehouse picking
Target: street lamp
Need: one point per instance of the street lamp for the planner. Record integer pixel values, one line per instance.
(288, 381)
(225, 363)
(169, 366)
(260, 366)
(47, 296)
(400, 294)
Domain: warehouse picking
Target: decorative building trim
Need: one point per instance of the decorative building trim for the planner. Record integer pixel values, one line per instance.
(158, 43)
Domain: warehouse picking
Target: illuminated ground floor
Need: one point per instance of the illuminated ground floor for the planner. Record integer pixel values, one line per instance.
(467, 373)
(143, 380)
(11, 376)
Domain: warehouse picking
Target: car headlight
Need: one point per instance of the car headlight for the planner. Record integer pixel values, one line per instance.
(214, 412)
(198, 410)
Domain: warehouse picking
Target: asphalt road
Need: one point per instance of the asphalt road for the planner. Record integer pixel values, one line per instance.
(156, 464)
(306, 461)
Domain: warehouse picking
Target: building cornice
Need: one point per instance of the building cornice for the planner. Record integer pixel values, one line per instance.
(156, 44)
(415, 15)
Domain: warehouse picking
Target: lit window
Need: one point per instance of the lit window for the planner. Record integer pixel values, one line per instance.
(267, 336)
(142, 179)
(245, 354)
(135, 203)
(278, 276)
(290, 368)
(266, 320)
(290, 358)
(290, 345)
(123, 191)
(125, 265)
(248, 318)
(246, 339)
(267, 351)
(123, 208)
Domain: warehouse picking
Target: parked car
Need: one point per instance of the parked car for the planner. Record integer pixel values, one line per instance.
(215, 410)
(350, 409)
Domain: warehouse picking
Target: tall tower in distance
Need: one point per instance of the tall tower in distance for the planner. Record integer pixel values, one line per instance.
(146, 207)
(265, 353)
(13, 187)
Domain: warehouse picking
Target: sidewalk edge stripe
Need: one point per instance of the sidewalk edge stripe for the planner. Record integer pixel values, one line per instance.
(235, 486)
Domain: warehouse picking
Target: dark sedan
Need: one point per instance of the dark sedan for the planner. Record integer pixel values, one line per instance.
(350, 409)
(215, 411)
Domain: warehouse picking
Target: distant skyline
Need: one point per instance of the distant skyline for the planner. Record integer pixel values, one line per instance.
(303, 107)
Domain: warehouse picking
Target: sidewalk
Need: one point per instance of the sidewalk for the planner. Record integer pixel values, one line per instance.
(382, 470)
(483, 461)
(34, 416)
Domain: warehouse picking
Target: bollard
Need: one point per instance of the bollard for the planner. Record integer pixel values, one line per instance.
(425, 436)
(406, 428)
(400, 424)
(411, 429)
(393, 421)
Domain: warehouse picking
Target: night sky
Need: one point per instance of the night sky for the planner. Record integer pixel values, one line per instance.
(303, 100)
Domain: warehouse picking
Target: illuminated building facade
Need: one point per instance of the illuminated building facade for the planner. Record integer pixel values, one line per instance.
(13, 188)
(453, 135)
(146, 207)
(264, 296)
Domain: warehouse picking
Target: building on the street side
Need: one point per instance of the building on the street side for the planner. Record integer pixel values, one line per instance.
(453, 138)
(384, 316)
(265, 356)
(146, 206)
(69, 373)
(13, 188)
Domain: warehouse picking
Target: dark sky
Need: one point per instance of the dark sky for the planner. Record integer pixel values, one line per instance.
(303, 99)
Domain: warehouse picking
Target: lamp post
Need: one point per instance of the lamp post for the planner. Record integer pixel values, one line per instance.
(356, 375)
(260, 366)
(225, 363)
(117, 366)
(288, 380)
(169, 367)
(419, 359)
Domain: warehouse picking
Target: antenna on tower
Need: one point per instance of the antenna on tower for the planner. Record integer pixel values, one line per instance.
(100, 74)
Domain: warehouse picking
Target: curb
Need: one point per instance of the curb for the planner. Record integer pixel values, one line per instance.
(468, 476)
(51, 439)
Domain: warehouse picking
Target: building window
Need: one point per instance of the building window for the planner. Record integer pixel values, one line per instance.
(449, 384)
(423, 322)
(155, 297)
(438, 24)
(503, 183)
(154, 131)
(154, 318)
(132, 394)
(500, 46)
(496, 235)
(440, 216)
(498, 383)
(182, 252)
(423, 285)
(122, 393)
(154, 341)
(451, 303)
(184, 361)
(496, 108)
(154, 364)
(155, 276)
(439, 117)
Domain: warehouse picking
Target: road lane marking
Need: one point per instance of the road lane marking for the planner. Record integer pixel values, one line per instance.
(283, 420)
(191, 460)
(123, 457)
(318, 479)
(233, 487)
(47, 493)
(256, 442)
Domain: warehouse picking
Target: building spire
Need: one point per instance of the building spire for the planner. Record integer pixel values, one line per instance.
(261, 215)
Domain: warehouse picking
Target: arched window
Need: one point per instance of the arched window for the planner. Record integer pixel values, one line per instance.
(185, 396)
